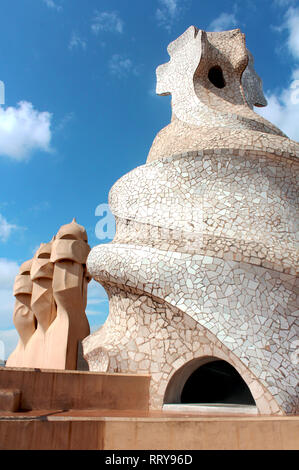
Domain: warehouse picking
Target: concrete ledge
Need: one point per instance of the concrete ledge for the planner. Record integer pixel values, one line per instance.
(9, 399)
(217, 409)
(63, 390)
(57, 432)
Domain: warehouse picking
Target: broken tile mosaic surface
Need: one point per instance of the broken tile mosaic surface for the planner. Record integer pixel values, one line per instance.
(204, 259)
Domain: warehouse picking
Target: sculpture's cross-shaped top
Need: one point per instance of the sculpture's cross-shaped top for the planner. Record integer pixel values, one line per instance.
(210, 70)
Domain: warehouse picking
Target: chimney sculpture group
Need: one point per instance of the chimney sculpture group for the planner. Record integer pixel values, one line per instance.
(51, 297)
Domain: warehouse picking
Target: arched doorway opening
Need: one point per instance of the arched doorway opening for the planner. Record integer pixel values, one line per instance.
(216, 382)
(208, 381)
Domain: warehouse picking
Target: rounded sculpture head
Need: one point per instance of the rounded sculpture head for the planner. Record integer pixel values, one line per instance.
(23, 282)
(69, 253)
(72, 231)
(42, 267)
(25, 267)
(70, 244)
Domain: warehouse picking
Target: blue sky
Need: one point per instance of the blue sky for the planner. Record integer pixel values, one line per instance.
(80, 107)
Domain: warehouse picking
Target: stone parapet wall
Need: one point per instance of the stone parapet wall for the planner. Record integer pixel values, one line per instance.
(64, 390)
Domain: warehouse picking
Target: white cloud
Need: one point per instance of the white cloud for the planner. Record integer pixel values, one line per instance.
(283, 108)
(53, 5)
(23, 130)
(7, 301)
(292, 25)
(283, 105)
(8, 271)
(5, 229)
(76, 41)
(224, 22)
(107, 21)
(64, 122)
(167, 12)
(8, 342)
(121, 66)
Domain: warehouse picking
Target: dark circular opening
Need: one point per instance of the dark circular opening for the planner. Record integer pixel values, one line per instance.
(216, 76)
(216, 382)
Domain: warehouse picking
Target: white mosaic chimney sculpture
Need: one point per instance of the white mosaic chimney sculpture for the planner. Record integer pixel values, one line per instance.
(203, 264)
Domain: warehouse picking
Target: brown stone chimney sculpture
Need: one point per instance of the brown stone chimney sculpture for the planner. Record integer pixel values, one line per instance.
(51, 297)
